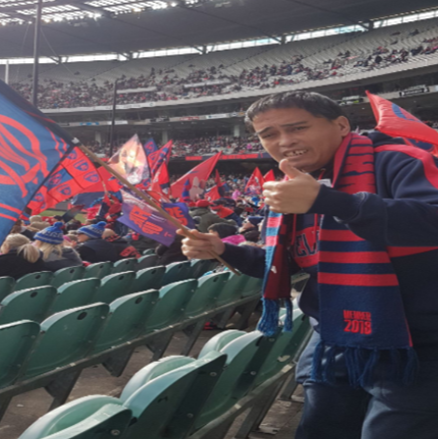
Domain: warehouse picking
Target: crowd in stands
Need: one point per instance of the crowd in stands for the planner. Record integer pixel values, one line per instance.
(167, 85)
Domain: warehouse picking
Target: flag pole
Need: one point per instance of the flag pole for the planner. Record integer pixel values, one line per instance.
(187, 232)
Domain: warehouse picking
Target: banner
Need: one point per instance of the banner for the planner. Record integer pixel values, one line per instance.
(180, 211)
(150, 146)
(397, 122)
(260, 155)
(157, 158)
(31, 147)
(197, 178)
(254, 183)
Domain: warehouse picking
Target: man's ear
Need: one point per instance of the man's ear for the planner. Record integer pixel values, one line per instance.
(344, 125)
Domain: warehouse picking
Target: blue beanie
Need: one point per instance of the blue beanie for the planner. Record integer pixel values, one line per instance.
(94, 230)
(51, 235)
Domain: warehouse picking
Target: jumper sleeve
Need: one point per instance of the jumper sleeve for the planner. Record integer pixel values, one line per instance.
(247, 259)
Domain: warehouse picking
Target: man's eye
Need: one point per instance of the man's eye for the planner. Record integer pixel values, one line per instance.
(266, 136)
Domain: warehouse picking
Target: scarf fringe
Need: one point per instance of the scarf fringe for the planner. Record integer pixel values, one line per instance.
(361, 364)
(269, 322)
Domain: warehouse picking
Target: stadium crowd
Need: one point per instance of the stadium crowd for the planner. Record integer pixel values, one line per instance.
(167, 85)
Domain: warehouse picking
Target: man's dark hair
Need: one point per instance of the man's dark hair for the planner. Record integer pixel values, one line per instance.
(224, 230)
(315, 103)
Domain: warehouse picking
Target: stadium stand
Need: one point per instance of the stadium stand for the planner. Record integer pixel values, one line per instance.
(345, 56)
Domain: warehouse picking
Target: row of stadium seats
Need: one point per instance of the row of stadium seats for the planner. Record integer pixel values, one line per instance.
(179, 397)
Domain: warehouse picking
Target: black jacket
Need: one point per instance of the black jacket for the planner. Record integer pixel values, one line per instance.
(14, 265)
(97, 250)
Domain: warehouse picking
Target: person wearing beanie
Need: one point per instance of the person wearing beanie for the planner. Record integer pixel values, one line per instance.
(227, 233)
(50, 241)
(226, 213)
(204, 217)
(92, 248)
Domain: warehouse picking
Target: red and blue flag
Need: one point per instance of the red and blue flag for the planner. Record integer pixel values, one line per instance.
(150, 146)
(185, 195)
(157, 158)
(31, 147)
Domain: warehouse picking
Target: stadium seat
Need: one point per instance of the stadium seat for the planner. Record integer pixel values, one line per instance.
(90, 417)
(7, 285)
(147, 261)
(65, 338)
(204, 298)
(176, 272)
(170, 308)
(74, 294)
(16, 340)
(201, 266)
(252, 287)
(149, 251)
(31, 304)
(114, 286)
(34, 280)
(66, 275)
(149, 278)
(99, 270)
(128, 264)
(232, 384)
(126, 319)
(170, 400)
(232, 290)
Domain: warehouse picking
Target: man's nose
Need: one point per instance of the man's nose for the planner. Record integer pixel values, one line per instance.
(286, 140)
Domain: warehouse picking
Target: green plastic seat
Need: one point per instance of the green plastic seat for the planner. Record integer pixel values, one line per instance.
(99, 270)
(128, 264)
(208, 289)
(252, 287)
(200, 266)
(68, 274)
(176, 272)
(7, 285)
(171, 305)
(16, 340)
(65, 337)
(167, 405)
(147, 279)
(126, 319)
(149, 251)
(114, 286)
(31, 304)
(236, 379)
(32, 280)
(90, 417)
(148, 261)
(74, 294)
(232, 289)
(285, 345)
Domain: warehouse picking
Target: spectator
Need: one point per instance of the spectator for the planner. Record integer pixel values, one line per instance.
(121, 245)
(206, 217)
(226, 232)
(168, 255)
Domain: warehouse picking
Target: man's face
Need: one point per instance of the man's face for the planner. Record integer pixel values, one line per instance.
(82, 237)
(308, 142)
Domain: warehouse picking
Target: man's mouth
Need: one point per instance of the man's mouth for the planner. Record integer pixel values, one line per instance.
(295, 153)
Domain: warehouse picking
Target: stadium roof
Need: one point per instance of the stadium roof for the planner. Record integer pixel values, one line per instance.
(107, 26)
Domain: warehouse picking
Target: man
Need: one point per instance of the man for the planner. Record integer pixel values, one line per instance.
(360, 216)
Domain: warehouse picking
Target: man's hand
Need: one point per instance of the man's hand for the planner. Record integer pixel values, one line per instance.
(199, 248)
(296, 195)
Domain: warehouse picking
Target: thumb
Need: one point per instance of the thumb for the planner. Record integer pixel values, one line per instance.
(288, 169)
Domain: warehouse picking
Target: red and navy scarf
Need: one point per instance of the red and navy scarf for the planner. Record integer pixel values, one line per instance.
(361, 309)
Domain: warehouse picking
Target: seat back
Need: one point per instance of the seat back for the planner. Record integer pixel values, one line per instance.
(31, 304)
(68, 274)
(99, 270)
(32, 280)
(171, 305)
(90, 417)
(75, 294)
(149, 251)
(199, 267)
(171, 402)
(208, 289)
(7, 285)
(66, 337)
(236, 378)
(232, 289)
(126, 319)
(128, 264)
(114, 286)
(252, 287)
(16, 340)
(176, 272)
(148, 261)
(148, 278)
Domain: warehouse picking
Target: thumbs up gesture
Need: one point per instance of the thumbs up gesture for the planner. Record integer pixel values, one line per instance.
(296, 195)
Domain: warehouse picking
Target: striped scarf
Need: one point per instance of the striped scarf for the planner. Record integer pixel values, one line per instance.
(361, 309)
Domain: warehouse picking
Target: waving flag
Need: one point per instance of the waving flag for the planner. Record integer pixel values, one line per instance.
(269, 176)
(131, 162)
(197, 178)
(213, 194)
(185, 195)
(73, 175)
(150, 146)
(219, 184)
(160, 181)
(254, 183)
(157, 158)
(143, 219)
(397, 122)
(180, 211)
(31, 147)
